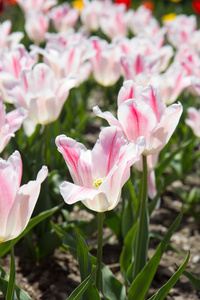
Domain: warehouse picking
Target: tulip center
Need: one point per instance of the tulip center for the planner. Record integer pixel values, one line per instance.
(1, 240)
(97, 182)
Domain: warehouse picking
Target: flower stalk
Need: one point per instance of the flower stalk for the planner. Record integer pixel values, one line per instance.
(143, 226)
(99, 250)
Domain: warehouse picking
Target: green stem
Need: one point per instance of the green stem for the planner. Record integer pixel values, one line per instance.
(11, 283)
(99, 250)
(142, 233)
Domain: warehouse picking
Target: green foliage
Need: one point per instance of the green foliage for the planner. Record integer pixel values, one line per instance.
(164, 290)
(19, 294)
(142, 282)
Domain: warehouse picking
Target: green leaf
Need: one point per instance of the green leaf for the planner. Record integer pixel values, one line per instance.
(126, 256)
(164, 290)
(69, 242)
(85, 265)
(11, 282)
(159, 238)
(20, 294)
(165, 163)
(194, 280)
(113, 289)
(112, 220)
(127, 217)
(80, 290)
(5, 247)
(142, 282)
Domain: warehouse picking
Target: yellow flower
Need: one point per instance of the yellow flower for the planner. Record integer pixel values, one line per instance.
(176, 1)
(78, 4)
(168, 17)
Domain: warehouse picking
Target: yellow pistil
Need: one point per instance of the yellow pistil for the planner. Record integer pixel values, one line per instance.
(97, 182)
(1, 240)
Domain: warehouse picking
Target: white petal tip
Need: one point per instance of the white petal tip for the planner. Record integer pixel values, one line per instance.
(141, 141)
(96, 110)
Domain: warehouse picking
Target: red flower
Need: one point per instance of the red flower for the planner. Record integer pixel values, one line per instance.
(126, 2)
(1, 6)
(10, 2)
(148, 4)
(196, 6)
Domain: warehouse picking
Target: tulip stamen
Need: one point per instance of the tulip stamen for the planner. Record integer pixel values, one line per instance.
(97, 182)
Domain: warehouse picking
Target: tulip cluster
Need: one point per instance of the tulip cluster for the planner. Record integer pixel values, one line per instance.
(140, 68)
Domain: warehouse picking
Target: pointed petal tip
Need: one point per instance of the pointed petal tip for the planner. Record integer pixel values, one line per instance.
(96, 110)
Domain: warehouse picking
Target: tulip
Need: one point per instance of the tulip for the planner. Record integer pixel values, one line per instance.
(140, 19)
(148, 5)
(36, 5)
(180, 29)
(114, 21)
(12, 62)
(78, 4)
(17, 203)
(69, 59)
(41, 93)
(91, 13)
(127, 3)
(145, 116)
(64, 17)
(193, 120)
(196, 6)
(36, 26)
(9, 123)
(8, 39)
(100, 173)
(106, 63)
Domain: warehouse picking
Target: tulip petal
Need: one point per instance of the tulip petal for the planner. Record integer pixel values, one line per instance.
(72, 151)
(10, 178)
(120, 173)
(164, 130)
(23, 206)
(92, 198)
(129, 90)
(106, 151)
(137, 119)
(112, 121)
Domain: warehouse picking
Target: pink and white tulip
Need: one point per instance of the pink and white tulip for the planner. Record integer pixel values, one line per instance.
(36, 5)
(17, 203)
(106, 63)
(100, 173)
(8, 39)
(91, 13)
(9, 123)
(193, 120)
(141, 55)
(114, 21)
(73, 59)
(41, 93)
(64, 17)
(181, 29)
(145, 116)
(173, 82)
(12, 62)
(36, 26)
